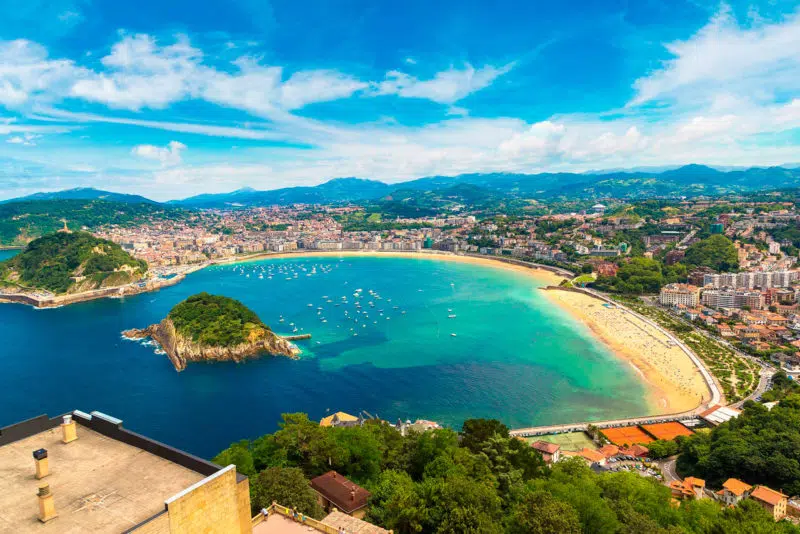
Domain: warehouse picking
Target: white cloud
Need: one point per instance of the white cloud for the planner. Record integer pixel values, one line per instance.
(27, 139)
(169, 155)
(713, 106)
(27, 72)
(143, 74)
(303, 88)
(446, 87)
(754, 62)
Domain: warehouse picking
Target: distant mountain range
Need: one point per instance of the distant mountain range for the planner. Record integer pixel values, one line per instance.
(689, 180)
(85, 193)
(336, 190)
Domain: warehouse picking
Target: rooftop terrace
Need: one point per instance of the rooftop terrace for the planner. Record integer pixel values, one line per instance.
(107, 480)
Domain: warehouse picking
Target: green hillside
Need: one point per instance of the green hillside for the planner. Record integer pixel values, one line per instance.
(482, 481)
(71, 262)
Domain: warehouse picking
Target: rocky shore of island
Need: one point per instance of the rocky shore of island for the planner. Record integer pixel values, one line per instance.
(181, 350)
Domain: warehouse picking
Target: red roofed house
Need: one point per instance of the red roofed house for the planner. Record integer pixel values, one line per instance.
(591, 456)
(336, 491)
(550, 451)
(773, 501)
(689, 488)
(733, 491)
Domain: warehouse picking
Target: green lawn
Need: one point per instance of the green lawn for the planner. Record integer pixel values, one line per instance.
(571, 441)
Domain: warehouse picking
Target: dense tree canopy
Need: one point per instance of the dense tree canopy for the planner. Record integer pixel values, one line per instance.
(482, 481)
(217, 321)
(287, 486)
(759, 447)
(52, 261)
(716, 252)
(641, 275)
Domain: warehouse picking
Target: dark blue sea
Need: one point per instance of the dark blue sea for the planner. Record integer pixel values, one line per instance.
(387, 349)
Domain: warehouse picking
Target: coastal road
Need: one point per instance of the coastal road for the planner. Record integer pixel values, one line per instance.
(764, 384)
(668, 469)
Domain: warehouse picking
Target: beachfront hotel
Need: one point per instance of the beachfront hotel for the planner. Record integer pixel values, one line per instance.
(679, 295)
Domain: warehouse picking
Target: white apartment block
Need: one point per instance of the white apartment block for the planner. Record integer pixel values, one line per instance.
(679, 294)
(750, 280)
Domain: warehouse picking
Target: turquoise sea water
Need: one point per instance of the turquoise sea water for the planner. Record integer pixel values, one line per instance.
(514, 357)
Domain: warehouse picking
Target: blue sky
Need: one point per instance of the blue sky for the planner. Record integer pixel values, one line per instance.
(169, 99)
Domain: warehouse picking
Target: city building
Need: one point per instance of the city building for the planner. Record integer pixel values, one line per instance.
(750, 280)
(679, 295)
(337, 492)
(86, 473)
(732, 298)
(772, 501)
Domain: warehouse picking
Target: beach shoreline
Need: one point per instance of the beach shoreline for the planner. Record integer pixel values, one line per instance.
(674, 382)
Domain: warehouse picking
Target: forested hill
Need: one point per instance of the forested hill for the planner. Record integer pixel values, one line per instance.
(482, 481)
(217, 321)
(71, 262)
(23, 221)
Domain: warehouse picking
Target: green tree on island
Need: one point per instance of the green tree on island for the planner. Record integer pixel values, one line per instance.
(216, 321)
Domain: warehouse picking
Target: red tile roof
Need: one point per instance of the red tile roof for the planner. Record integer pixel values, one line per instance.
(736, 486)
(545, 446)
(345, 495)
(767, 495)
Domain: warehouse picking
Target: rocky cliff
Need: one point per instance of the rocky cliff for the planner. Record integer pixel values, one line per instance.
(181, 350)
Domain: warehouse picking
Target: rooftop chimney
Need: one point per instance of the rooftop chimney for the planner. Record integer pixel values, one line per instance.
(47, 506)
(42, 463)
(352, 494)
(69, 431)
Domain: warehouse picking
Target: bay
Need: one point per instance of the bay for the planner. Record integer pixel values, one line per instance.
(514, 356)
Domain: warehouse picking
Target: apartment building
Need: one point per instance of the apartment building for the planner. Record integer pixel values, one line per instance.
(679, 295)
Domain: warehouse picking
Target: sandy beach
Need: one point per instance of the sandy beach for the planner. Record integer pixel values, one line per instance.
(675, 383)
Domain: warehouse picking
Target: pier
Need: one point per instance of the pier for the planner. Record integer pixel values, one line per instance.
(297, 337)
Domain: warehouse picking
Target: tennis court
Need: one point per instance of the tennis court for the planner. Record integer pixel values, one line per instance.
(667, 431)
(570, 441)
(628, 435)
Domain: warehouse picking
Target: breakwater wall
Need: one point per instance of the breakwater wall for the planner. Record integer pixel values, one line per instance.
(109, 292)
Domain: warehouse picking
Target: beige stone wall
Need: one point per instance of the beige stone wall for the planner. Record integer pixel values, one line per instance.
(209, 507)
(243, 504)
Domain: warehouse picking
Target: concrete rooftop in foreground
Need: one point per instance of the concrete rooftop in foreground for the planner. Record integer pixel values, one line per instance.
(99, 484)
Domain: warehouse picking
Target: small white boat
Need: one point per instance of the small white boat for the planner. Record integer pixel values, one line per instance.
(451, 316)
(453, 335)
